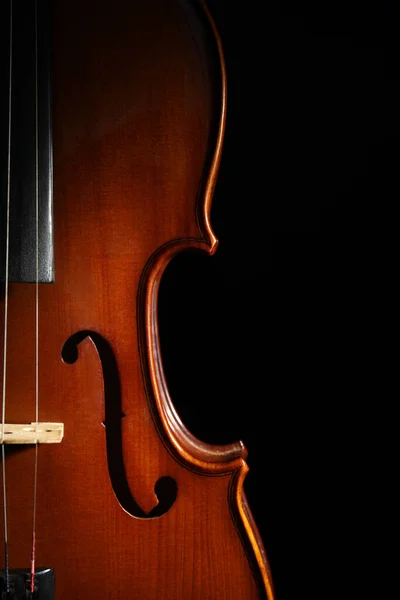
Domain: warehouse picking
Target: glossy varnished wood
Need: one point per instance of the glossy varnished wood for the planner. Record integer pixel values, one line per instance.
(139, 111)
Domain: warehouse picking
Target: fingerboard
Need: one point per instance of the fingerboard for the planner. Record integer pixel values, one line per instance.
(26, 147)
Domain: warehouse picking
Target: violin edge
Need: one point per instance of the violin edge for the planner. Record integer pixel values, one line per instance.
(249, 533)
(192, 453)
(205, 224)
(213, 459)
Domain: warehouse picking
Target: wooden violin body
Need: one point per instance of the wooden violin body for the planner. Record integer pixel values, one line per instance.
(129, 504)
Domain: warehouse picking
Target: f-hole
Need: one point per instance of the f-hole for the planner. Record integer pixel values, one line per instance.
(165, 488)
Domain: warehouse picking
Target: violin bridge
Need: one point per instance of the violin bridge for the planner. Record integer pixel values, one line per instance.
(32, 433)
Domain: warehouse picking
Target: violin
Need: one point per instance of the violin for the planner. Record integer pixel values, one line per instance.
(113, 119)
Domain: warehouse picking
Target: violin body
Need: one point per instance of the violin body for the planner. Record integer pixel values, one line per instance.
(129, 504)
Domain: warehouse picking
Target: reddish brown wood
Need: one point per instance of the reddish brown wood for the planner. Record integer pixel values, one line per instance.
(139, 116)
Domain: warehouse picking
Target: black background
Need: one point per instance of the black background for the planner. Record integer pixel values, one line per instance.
(270, 340)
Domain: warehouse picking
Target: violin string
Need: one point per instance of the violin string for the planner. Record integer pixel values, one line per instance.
(6, 277)
(33, 553)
